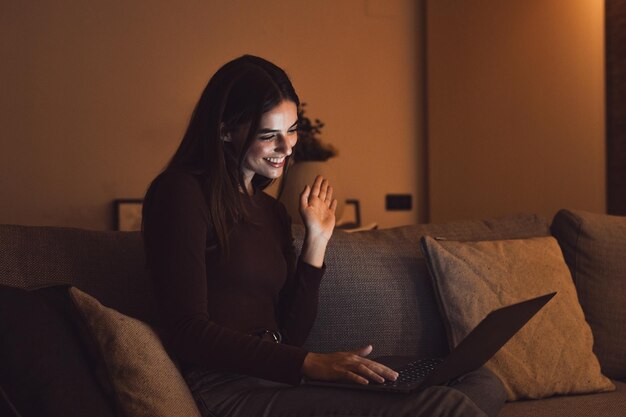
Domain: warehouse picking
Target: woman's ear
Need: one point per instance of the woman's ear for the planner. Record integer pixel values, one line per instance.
(224, 134)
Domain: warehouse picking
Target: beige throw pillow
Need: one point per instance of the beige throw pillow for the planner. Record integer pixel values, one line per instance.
(146, 382)
(552, 354)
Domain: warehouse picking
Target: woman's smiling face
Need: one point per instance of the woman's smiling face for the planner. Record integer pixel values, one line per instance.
(273, 142)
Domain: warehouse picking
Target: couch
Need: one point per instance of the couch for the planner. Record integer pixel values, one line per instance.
(376, 290)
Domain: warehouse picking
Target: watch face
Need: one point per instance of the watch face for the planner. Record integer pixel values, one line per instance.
(275, 335)
(270, 335)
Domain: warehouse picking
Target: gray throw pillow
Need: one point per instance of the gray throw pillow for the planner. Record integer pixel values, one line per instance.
(594, 246)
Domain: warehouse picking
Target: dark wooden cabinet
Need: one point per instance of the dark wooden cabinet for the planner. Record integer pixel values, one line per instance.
(616, 105)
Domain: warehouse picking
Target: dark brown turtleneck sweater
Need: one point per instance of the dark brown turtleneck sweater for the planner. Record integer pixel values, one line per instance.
(209, 309)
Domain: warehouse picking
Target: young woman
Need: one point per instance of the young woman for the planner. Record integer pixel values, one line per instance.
(235, 301)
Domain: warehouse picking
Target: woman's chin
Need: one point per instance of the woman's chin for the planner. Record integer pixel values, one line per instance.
(274, 173)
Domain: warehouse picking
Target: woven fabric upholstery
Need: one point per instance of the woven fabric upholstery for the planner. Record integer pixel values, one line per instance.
(375, 275)
(594, 247)
(377, 290)
(605, 404)
(109, 265)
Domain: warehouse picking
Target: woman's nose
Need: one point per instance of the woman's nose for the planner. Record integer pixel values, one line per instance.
(285, 144)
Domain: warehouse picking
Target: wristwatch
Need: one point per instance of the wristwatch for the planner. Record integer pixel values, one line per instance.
(270, 335)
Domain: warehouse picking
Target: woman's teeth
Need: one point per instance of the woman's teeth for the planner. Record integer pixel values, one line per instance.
(275, 160)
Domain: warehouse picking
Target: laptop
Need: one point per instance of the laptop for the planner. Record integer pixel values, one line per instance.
(497, 328)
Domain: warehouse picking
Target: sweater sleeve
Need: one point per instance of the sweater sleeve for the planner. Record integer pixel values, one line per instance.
(300, 294)
(176, 230)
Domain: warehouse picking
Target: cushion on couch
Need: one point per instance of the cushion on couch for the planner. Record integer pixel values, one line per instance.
(146, 382)
(45, 368)
(594, 246)
(543, 358)
(388, 263)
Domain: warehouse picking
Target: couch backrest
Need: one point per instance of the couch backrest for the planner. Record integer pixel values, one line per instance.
(108, 265)
(376, 288)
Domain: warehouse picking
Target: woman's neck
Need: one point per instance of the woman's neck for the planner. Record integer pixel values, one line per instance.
(249, 190)
(247, 181)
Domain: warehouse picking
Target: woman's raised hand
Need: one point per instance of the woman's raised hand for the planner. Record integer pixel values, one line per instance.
(346, 366)
(317, 208)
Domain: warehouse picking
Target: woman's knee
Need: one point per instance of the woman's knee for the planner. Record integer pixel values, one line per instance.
(484, 389)
(443, 401)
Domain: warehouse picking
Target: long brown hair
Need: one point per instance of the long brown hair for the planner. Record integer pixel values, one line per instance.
(236, 97)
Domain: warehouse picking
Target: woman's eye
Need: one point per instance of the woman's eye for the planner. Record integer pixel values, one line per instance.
(270, 137)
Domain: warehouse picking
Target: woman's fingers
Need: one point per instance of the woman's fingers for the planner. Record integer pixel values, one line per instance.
(329, 195)
(382, 370)
(369, 373)
(351, 376)
(371, 369)
(304, 196)
(333, 206)
(317, 186)
(377, 371)
(363, 351)
(346, 366)
(323, 190)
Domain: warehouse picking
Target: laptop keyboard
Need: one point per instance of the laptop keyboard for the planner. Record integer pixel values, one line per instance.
(415, 371)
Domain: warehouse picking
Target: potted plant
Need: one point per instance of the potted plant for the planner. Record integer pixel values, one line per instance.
(310, 147)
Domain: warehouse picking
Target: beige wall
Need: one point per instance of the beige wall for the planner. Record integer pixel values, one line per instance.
(516, 107)
(96, 95)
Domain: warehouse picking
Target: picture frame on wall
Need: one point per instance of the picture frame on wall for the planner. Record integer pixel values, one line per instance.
(127, 214)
